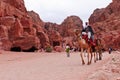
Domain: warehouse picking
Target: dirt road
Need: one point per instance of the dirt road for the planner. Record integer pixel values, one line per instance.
(46, 66)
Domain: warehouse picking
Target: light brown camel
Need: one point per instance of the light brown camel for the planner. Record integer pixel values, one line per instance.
(83, 45)
(95, 51)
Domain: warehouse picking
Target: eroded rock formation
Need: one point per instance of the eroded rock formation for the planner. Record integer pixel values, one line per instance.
(24, 29)
(106, 23)
(69, 25)
(19, 28)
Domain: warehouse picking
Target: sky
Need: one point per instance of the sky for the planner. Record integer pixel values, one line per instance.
(57, 10)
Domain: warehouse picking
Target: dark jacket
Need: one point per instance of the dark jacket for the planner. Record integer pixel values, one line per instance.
(89, 28)
(84, 30)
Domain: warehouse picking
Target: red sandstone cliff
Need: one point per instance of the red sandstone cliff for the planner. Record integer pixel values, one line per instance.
(19, 28)
(23, 29)
(106, 23)
(69, 25)
(67, 28)
(62, 34)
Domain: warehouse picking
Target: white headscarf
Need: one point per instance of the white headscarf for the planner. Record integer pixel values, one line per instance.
(86, 25)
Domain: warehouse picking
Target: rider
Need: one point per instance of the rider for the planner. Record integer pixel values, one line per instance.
(89, 31)
(84, 33)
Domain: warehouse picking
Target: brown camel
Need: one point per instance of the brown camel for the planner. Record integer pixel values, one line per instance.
(95, 50)
(83, 45)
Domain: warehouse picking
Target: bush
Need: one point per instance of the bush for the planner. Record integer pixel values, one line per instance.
(48, 49)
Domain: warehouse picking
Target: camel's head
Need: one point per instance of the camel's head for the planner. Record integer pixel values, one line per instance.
(77, 32)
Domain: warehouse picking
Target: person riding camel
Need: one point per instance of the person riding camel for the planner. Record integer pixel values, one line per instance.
(87, 30)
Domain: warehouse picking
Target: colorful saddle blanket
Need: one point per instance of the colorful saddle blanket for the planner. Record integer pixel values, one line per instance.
(89, 41)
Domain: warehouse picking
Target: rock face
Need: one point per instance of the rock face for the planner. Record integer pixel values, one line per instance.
(67, 29)
(106, 23)
(8, 8)
(69, 25)
(18, 4)
(63, 34)
(38, 24)
(54, 36)
(36, 19)
(19, 28)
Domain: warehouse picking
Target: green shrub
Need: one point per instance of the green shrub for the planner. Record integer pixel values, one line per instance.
(48, 49)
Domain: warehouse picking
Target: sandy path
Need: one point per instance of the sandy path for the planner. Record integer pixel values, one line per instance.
(50, 66)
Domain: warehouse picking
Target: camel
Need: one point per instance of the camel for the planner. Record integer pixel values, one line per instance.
(95, 51)
(83, 45)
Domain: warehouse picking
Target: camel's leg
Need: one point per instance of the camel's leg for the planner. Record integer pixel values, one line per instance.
(100, 55)
(95, 56)
(81, 54)
(88, 56)
(90, 52)
(85, 53)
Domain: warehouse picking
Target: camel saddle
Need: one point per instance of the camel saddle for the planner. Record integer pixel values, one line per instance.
(89, 41)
